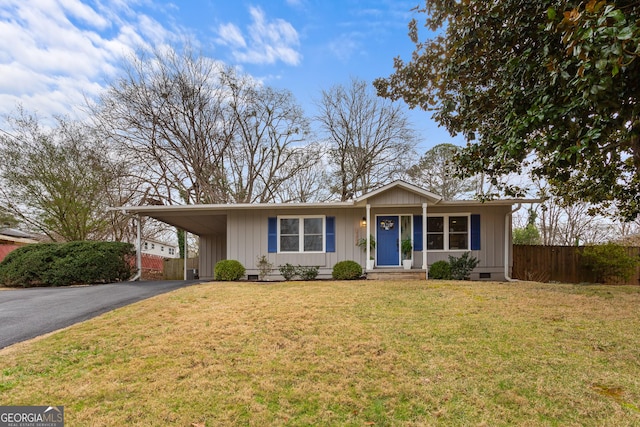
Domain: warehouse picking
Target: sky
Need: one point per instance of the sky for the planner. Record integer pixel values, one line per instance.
(54, 54)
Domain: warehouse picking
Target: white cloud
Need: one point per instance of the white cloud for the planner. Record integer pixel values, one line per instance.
(55, 53)
(231, 36)
(268, 41)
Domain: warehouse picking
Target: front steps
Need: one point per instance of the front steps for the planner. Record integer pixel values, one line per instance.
(396, 274)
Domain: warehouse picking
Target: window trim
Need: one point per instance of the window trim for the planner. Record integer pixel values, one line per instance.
(445, 233)
(301, 234)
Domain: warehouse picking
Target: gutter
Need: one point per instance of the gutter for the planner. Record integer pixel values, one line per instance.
(508, 242)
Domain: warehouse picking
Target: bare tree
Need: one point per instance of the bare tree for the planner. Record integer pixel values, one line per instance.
(371, 139)
(267, 129)
(309, 184)
(201, 132)
(166, 110)
(560, 223)
(435, 171)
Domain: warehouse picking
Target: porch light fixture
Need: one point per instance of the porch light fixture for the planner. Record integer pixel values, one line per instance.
(363, 222)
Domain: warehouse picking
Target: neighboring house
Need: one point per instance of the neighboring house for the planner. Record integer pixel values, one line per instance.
(11, 239)
(322, 234)
(154, 247)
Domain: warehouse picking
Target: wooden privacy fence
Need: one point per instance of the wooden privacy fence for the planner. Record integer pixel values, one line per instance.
(558, 264)
(174, 267)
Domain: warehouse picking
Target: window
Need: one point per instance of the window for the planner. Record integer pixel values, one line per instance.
(301, 234)
(455, 236)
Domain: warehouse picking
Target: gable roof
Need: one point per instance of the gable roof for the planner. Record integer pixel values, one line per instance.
(434, 198)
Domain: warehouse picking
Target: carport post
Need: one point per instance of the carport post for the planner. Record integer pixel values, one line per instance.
(138, 249)
(185, 252)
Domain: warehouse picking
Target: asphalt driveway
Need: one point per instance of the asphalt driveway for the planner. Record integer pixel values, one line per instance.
(28, 313)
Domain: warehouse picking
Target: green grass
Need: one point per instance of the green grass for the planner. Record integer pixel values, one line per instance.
(344, 354)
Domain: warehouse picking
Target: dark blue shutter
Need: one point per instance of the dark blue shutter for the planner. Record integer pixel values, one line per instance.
(331, 233)
(272, 235)
(475, 232)
(417, 232)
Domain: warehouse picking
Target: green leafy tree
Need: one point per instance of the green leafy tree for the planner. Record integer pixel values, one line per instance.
(56, 180)
(529, 234)
(549, 85)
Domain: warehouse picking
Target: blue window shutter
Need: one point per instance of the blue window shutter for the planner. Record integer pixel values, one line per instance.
(417, 232)
(272, 235)
(331, 233)
(475, 232)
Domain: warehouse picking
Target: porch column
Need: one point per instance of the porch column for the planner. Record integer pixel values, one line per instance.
(368, 232)
(424, 240)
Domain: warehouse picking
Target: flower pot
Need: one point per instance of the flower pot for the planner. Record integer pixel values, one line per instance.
(407, 264)
(370, 264)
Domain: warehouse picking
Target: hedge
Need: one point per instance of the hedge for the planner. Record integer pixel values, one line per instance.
(64, 264)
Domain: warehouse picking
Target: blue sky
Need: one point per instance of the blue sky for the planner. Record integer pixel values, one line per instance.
(55, 53)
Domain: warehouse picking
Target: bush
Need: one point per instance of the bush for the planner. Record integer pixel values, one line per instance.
(228, 270)
(609, 261)
(462, 266)
(307, 273)
(287, 271)
(440, 270)
(264, 267)
(346, 270)
(63, 264)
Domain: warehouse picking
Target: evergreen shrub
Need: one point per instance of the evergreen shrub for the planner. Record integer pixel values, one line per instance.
(228, 270)
(347, 270)
(440, 270)
(64, 264)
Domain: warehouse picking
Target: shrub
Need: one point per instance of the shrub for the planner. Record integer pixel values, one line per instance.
(264, 267)
(440, 270)
(63, 264)
(307, 273)
(609, 261)
(228, 270)
(287, 271)
(346, 270)
(461, 267)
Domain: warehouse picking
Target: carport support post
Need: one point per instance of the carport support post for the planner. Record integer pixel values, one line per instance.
(139, 248)
(185, 252)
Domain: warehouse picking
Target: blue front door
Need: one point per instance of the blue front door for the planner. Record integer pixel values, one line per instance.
(387, 241)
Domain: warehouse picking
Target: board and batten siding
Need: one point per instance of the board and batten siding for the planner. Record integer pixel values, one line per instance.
(397, 197)
(248, 239)
(491, 253)
(212, 248)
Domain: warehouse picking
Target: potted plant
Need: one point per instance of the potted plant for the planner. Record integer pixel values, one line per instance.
(407, 252)
(372, 248)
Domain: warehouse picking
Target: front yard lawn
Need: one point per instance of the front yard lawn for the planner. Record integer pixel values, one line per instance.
(357, 353)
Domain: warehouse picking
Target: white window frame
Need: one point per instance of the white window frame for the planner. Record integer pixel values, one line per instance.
(301, 234)
(445, 225)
